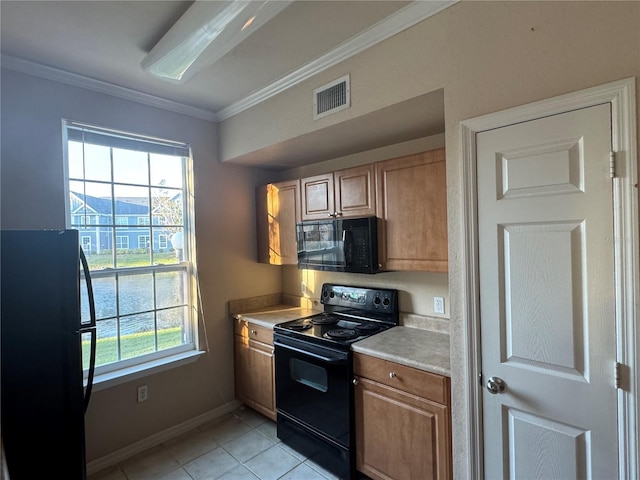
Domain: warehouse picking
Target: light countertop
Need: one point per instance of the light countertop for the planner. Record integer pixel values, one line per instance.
(274, 314)
(413, 347)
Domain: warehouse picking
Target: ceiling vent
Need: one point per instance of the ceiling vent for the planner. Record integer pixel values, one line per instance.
(331, 98)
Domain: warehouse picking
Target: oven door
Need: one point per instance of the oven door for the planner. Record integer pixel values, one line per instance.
(313, 387)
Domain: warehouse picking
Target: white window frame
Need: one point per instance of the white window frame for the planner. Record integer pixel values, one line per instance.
(124, 369)
(144, 221)
(122, 220)
(163, 241)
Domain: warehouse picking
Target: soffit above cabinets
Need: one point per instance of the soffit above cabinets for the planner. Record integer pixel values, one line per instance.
(412, 119)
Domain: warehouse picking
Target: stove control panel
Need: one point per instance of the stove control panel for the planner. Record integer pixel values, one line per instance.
(362, 298)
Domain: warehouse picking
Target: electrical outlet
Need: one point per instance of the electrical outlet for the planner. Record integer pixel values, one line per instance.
(143, 393)
(438, 304)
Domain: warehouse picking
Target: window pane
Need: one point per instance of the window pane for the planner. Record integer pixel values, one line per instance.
(77, 207)
(170, 288)
(104, 293)
(86, 349)
(130, 167)
(137, 335)
(166, 170)
(135, 293)
(98, 203)
(100, 256)
(107, 344)
(176, 252)
(97, 163)
(132, 202)
(138, 252)
(166, 206)
(171, 327)
(76, 164)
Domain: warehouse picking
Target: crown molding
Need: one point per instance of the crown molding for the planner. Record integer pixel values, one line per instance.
(404, 18)
(73, 79)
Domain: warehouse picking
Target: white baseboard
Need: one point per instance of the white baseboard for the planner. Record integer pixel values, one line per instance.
(158, 438)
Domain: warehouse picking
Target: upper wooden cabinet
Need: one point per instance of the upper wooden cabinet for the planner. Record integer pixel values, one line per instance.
(345, 193)
(277, 212)
(411, 195)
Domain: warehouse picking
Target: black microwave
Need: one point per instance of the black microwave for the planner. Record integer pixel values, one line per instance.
(339, 245)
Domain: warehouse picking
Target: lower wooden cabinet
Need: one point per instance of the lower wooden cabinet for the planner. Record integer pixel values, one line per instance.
(403, 421)
(254, 367)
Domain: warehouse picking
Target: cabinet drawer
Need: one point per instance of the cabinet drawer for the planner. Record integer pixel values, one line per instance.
(255, 332)
(408, 379)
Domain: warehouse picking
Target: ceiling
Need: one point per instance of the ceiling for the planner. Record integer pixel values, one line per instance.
(100, 44)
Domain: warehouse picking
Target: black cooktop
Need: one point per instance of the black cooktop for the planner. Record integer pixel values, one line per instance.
(351, 314)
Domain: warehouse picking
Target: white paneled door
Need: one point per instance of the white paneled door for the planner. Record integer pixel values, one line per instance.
(547, 298)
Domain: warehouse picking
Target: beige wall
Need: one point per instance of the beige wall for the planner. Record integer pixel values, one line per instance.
(33, 197)
(488, 56)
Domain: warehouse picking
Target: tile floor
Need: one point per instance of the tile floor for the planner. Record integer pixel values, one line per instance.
(241, 445)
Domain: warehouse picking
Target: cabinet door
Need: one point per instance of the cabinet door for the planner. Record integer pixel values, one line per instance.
(317, 197)
(355, 191)
(254, 375)
(400, 436)
(412, 200)
(278, 211)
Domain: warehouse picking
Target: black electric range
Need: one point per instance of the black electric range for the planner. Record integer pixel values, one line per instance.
(314, 372)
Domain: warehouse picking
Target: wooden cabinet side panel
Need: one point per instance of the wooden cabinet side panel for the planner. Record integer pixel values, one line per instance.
(412, 200)
(284, 213)
(355, 191)
(262, 224)
(317, 197)
(400, 436)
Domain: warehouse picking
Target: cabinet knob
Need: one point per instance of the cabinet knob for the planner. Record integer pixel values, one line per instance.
(255, 332)
(331, 215)
(355, 381)
(337, 214)
(392, 374)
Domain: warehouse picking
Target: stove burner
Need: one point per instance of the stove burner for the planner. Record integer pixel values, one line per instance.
(324, 319)
(342, 334)
(300, 327)
(367, 328)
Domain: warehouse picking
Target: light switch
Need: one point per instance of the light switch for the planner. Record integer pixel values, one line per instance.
(438, 304)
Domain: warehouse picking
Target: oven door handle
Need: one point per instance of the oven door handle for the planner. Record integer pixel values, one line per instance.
(332, 360)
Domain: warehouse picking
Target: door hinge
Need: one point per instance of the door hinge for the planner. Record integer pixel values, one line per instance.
(617, 368)
(612, 164)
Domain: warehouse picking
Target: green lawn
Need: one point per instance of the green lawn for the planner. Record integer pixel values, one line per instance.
(131, 345)
(129, 259)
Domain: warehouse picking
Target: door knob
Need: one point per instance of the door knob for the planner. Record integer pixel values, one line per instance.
(495, 385)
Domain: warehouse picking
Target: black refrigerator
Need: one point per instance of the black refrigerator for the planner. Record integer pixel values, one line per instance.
(41, 330)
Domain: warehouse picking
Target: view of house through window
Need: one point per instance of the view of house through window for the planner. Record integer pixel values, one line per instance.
(128, 197)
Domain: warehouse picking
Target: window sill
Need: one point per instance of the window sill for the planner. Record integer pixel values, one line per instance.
(111, 379)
